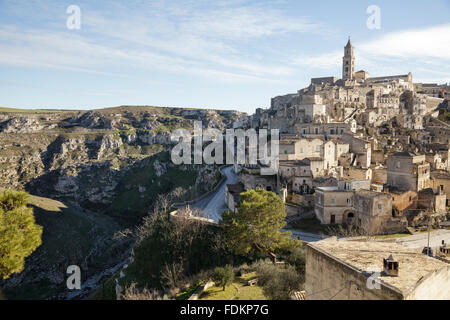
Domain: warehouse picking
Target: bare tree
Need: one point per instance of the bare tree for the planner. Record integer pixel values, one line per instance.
(172, 274)
(133, 293)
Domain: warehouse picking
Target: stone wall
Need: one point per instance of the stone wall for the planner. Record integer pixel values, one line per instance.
(435, 286)
(328, 278)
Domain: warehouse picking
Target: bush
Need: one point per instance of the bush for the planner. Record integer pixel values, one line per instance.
(223, 276)
(297, 259)
(281, 285)
(278, 282)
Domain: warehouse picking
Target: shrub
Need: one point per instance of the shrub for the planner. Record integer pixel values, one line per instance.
(223, 276)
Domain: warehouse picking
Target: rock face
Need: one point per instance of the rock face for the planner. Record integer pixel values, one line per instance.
(106, 167)
(66, 143)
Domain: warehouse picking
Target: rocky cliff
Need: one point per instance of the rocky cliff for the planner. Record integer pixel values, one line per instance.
(105, 168)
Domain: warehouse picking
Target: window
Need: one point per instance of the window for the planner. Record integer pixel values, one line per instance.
(301, 150)
(380, 207)
(317, 169)
(398, 164)
(333, 201)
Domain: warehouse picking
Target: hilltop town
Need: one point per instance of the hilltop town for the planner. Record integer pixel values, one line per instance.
(355, 140)
(368, 154)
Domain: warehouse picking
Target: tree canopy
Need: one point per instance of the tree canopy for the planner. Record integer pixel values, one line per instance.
(255, 228)
(19, 234)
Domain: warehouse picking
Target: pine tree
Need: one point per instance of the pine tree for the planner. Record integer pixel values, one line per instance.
(19, 234)
(255, 228)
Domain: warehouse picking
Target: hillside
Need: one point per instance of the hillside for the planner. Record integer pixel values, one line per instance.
(91, 174)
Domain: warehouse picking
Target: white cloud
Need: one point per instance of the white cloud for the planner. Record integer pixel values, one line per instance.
(217, 40)
(425, 43)
(425, 51)
(321, 61)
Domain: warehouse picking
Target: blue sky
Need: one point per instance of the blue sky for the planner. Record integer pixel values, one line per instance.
(209, 54)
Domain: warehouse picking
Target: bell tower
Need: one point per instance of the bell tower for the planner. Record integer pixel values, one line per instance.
(348, 66)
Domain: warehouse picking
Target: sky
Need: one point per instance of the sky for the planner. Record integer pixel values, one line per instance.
(233, 54)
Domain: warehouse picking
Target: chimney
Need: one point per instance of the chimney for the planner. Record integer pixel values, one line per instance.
(390, 266)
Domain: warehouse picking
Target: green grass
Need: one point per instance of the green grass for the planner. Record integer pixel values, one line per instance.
(239, 290)
(184, 295)
(217, 293)
(391, 236)
(250, 293)
(401, 235)
(36, 111)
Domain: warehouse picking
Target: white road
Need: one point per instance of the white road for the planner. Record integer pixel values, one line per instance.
(420, 240)
(306, 236)
(214, 205)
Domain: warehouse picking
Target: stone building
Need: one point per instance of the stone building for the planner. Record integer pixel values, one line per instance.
(298, 176)
(370, 270)
(332, 129)
(352, 203)
(300, 148)
(407, 171)
(334, 205)
(233, 196)
(361, 150)
(441, 181)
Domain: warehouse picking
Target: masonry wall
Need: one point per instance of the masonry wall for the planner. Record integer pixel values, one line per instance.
(435, 286)
(401, 174)
(444, 181)
(330, 279)
(373, 211)
(406, 200)
(325, 207)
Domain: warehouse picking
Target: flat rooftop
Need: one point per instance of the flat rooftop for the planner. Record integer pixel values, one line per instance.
(367, 256)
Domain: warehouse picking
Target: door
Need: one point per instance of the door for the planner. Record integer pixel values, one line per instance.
(332, 219)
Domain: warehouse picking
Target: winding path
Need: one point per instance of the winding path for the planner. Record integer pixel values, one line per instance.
(214, 205)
